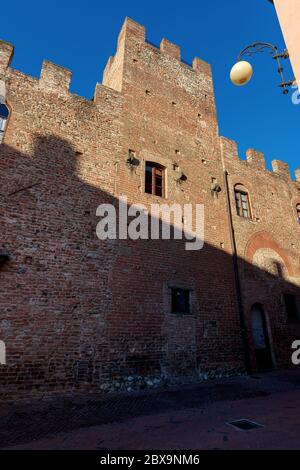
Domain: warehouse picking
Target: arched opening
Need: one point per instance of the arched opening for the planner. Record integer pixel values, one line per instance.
(263, 239)
(261, 339)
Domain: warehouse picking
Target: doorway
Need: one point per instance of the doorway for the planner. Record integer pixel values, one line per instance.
(261, 339)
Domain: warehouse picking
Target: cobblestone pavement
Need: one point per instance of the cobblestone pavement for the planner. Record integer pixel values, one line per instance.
(174, 418)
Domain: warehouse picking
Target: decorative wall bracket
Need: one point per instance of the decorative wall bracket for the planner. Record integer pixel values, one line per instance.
(241, 72)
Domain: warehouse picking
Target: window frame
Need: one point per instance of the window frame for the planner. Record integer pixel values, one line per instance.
(4, 120)
(241, 196)
(157, 171)
(175, 311)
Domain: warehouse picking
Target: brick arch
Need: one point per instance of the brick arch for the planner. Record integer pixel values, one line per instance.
(243, 181)
(264, 240)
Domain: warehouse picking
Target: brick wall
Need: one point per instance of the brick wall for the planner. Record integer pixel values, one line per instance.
(268, 243)
(80, 313)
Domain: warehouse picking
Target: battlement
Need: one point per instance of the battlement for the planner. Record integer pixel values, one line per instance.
(281, 168)
(297, 174)
(53, 77)
(256, 159)
(57, 78)
(6, 55)
(171, 49)
(132, 31)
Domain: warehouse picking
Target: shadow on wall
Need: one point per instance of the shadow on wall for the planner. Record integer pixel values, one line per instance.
(79, 312)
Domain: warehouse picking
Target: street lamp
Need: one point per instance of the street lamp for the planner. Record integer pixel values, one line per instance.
(241, 72)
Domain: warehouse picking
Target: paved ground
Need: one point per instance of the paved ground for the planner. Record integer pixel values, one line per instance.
(192, 417)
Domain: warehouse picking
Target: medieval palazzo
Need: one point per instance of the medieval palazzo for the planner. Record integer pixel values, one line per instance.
(78, 313)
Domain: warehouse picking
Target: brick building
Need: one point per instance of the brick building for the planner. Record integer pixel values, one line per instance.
(289, 17)
(80, 313)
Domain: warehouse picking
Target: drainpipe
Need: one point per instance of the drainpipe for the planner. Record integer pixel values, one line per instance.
(237, 277)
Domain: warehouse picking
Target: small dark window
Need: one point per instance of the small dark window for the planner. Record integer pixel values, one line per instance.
(155, 179)
(242, 202)
(180, 300)
(298, 213)
(4, 113)
(291, 308)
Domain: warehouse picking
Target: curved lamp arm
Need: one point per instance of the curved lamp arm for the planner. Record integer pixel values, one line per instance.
(257, 47)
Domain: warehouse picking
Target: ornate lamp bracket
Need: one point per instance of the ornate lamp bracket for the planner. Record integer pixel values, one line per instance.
(259, 47)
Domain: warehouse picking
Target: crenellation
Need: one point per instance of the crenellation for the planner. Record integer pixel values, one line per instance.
(6, 55)
(256, 158)
(229, 148)
(201, 66)
(281, 168)
(169, 48)
(103, 92)
(132, 30)
(108, 68)
(55, 77)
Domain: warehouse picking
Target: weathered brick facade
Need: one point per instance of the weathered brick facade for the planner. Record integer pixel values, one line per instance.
(268, 244)
(77, 312)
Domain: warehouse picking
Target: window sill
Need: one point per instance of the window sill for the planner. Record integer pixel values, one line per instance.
(185, 314)
(159, 198)
(247, 219)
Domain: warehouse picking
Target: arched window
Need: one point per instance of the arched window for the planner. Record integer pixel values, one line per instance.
(155, 179)
(298, 212)
(242, 201)
(4, 114)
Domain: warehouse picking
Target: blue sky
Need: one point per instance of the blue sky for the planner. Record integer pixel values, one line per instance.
(82, 35)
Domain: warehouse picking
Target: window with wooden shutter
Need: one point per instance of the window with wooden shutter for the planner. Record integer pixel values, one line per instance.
(242, 202)
(155, 179)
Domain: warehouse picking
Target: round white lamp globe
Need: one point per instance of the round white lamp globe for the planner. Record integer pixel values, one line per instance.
(241, 73)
